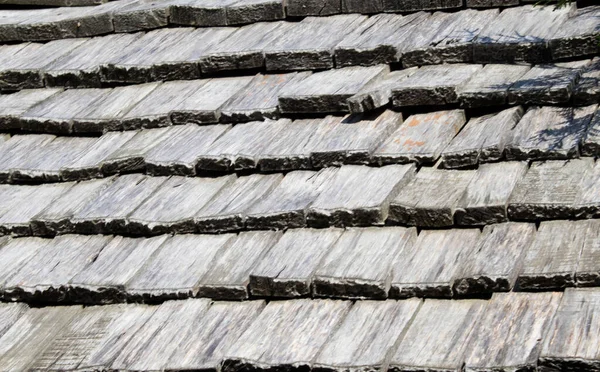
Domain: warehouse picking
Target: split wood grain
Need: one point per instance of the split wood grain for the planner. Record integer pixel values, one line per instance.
(15, 253)
(377, 93)
(490, 86)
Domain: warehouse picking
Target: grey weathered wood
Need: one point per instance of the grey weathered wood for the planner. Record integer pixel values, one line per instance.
(174, 272)
(551, 261)
(300, 8)
(227, 211)
(105, 114)
(309, 322)
(421, 138)
(242, 50)
(12, 106)
(359, 265)
(178, 152)
(577, 35)
(9, 314)
(519, 34)
(44, 276)
(309, 44)
(482, 139)
(548, 190)
(433, 85)
(90, 164)
(15, 253)
(211, 336)
(496, 261)
(16, 150)
(378, 40)
(521, 321)
(588, 273)
(107, 212)
(160, 336)
(590, 145)
(203, 105)
(249, 11)
(571, 341)
(359, 195)
(155, 216)
(431, 197)
(485, 200)
(9, 19)
(259, 99)
(103, 281)
(229, 275)
(367, 336)
(546, 84)
(328, 91)
(288, 267)
(378, 93)
(549, 133)
(200, 12)
(359, 6)
(240, 147)
(411, 6)
(131, 154)
(490, 85)
(352, 139)
(429, 267)
(586, 91)
(285, 207)
(28, 202)
(142, 15)
(436, 339)
(490, 3)
(587, 203)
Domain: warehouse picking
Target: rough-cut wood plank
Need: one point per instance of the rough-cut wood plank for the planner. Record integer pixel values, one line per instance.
(103, 281)
(12, 106)
(520, 320)
(265, 344)
(227, 211)
(200, 12)
(107, 213)
(485, 200)
(551, 261)
(228, 276)
(430, 198)
(378, 40)
(587, 91)
(367, 336)
(578, 35)
(288, 267)
(80, 68)
(16, 150)
(482, 139)
(209, 338)
(44, 276)
(490, 85)
(154, 215)
(285, 207)
(546, 84)
(142, 15)
(9, 19)
(496, 261)
(309, 44)
(411, 6)
(302, 8)
(178, 151)
(571, 342)
(174, 272)
(549, 133)
(421, 138)
(358, 195)
(587, 203)
(520, 34)
(429, 267)
(436, 340)
(433, 85)
(249, 11)
(588, 272)
(16, 253)
(203, 105)
(590, 145)
(130, 155)
(328, 91)
(378, 93)
(548, 190)
(359, 265)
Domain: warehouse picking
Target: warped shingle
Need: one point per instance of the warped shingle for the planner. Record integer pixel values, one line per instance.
(288, 268)
(130, 155)
(175, 270)
(578, 35)
(229, 274)
(437, 338)
(429, 267)
(358, 195)
(15, 253)
(12, 106)
(489, 86)
(588, 272)
(548, 190)
(587, 202)
(485, 199)
(430, 198)
(496, 261)
(587, 90)
(359, 265)
(103, 281)
(421, 138)
(482, 139)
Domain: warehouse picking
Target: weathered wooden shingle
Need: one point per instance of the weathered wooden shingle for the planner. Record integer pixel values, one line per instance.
(587, 90)
(577, 36)
(12, 106)
(249, 11)
(588, 272)
(130, 155)
(411, 6)
(15, 253)
(378, 92)
(358, 195)
(429, 267)
(16, 151)
(359, 265)
(489, 86)
(200, 12)
(10, 313)
(587, 203)
(301, 8)
(142, 15)
(288, 267)
(590, 145)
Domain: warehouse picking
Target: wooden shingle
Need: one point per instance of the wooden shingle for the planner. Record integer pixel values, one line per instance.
(378, 92)
(587, 90)
(587, 203)
(490, 85)
(302, 8)
(590, 145)
(15, 253)
(411, 6)
(16, 150)
(130, 155)
(142, 15)
(12, 106)
(577, 35)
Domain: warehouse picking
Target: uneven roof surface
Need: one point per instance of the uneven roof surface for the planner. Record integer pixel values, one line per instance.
(299, 185)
